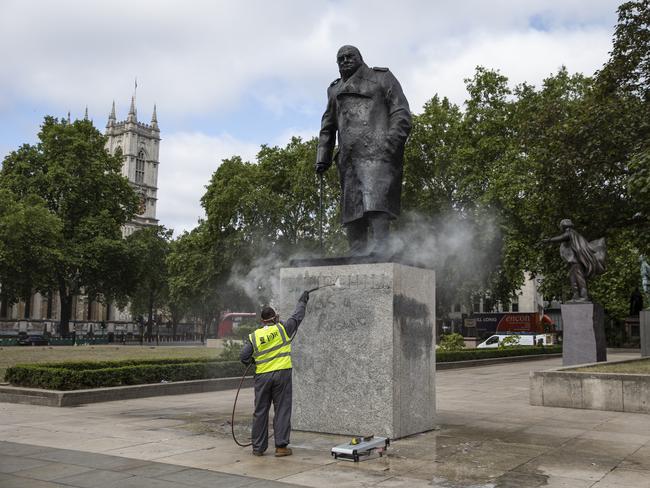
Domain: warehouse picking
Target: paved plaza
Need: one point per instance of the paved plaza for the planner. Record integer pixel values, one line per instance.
(488, 436)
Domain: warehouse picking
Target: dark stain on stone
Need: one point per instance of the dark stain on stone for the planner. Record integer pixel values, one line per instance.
(415, 328)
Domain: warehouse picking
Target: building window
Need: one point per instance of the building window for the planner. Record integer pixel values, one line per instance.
(139, 168)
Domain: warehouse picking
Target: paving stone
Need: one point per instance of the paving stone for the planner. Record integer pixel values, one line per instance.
(52, 471)
(208, 479)
(11, 481)
(92, 460)
(153, 470)
(11, 464)
(96, 478)
(625, 478)
(142, 482)
(15, 449)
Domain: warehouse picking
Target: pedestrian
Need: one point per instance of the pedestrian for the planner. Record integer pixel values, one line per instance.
(269, 347)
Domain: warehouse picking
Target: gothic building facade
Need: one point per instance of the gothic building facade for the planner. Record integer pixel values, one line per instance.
(139, 144)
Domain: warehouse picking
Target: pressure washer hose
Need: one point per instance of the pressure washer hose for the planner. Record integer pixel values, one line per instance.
(234, 406)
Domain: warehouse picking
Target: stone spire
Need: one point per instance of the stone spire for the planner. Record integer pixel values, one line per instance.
(69, 121)
(86, 113)
(154, 118)
(111, 117)
(132, 113)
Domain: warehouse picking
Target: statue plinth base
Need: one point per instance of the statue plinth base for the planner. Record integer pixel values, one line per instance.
(644, 332)
(583, 335)
(364, 356)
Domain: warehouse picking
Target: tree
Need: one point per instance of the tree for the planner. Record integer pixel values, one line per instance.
(81, 186)
(624, 82)
(148, 250)
(29, 242)
(197, 278)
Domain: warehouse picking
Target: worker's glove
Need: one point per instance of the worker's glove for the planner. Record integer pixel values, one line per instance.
(321, 167)
(304, 298)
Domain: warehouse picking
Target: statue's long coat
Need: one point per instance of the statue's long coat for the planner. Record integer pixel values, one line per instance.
(373, 120)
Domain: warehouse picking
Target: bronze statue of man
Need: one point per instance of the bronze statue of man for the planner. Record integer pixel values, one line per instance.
(371, 115)
(585, 259)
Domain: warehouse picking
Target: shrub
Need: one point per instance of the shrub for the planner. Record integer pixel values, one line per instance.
(230, 350)
(452, 342)
(75, 376)
(469, 354)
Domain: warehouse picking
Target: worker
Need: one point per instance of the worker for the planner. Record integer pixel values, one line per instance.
(269, 347)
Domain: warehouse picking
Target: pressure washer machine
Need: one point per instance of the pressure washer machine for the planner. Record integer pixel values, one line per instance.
(361, 448)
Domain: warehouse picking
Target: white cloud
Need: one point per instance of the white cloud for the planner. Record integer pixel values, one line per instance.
(194, 58)
(528, 56)
(187, 161)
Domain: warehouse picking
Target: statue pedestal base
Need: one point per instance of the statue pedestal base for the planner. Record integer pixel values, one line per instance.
(583, 337)
(364, 356)
(644, 332)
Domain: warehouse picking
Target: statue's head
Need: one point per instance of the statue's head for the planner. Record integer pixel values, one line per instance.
(349, 60)
(565, 224)
(268, 315)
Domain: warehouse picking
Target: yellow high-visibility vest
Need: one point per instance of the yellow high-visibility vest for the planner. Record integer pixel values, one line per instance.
(271, 348)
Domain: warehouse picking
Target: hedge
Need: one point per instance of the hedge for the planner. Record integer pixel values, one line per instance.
(99, 374)
(75, 376)
(125, 362)
(469, 354)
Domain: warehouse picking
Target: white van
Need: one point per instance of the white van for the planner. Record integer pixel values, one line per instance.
(524, 340)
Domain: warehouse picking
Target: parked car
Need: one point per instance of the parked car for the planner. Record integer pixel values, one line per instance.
(32, 340)
(523, 340)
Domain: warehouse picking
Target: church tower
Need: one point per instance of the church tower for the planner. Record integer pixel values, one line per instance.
(139, 144)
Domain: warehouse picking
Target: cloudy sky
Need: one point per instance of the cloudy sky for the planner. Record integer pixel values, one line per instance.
(228, 76)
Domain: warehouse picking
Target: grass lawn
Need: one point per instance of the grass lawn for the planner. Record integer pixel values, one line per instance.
(10, 356)
(642, 366)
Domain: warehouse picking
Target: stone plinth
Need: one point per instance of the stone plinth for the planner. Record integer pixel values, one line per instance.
(644, 332)
(364, 356)
(583, 337)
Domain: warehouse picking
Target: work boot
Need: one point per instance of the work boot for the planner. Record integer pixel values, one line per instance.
(258, 453)
(282, 451)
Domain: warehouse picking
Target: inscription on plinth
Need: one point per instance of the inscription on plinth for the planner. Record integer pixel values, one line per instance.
(364, 356)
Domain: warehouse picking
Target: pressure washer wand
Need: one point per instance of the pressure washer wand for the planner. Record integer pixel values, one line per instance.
(322, 286)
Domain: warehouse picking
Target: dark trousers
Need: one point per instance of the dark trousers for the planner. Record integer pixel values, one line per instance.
(375, 223)
(273, 387)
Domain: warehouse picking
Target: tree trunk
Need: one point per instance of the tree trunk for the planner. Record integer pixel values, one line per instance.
(49, 305)
(66, 312)
(150, 324)
(150, 318)
(28, 305)
(4, 306)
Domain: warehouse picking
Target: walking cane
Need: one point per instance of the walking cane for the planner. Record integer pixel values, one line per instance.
(320, 196)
